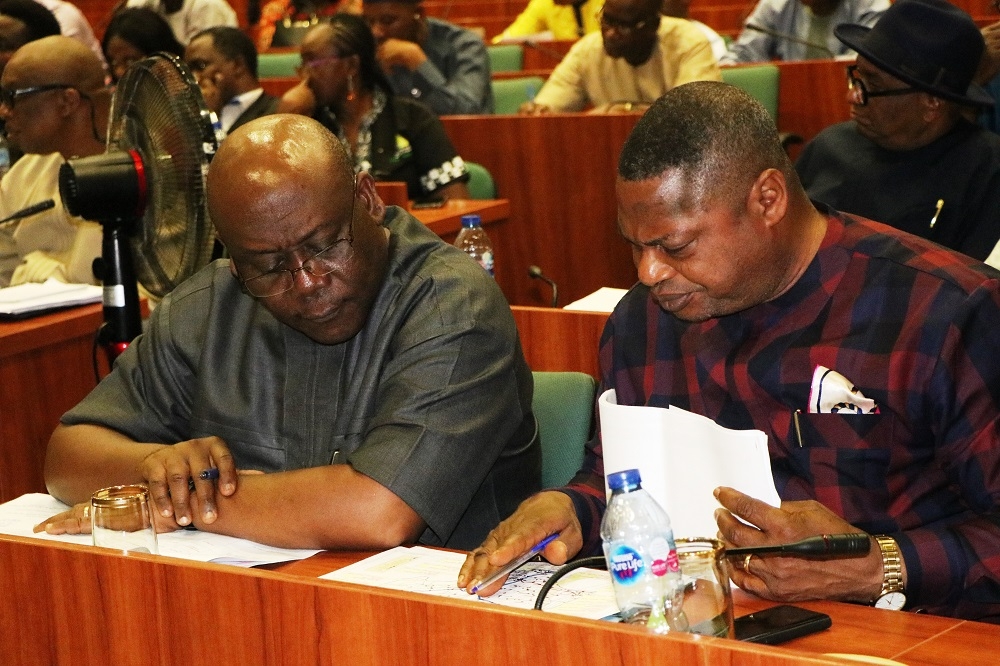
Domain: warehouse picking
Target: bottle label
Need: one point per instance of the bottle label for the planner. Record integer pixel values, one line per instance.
(486, 261)
(664, 557)
(626, 565)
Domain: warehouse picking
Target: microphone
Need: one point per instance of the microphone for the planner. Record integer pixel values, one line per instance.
(33, 209)
(536, 273)
(789, 38)
(817, 546)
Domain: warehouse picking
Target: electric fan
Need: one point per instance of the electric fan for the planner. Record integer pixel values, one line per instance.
(147, 190)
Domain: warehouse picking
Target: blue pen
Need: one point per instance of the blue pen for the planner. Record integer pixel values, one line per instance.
(211, 474)
(515, 564)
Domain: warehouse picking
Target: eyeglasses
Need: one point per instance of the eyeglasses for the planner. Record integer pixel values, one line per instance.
(854, 83)
(622, 26)
(311, 65)
(322, 263)
(10, 97)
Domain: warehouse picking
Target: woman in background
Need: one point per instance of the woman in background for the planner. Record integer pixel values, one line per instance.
(134, 34)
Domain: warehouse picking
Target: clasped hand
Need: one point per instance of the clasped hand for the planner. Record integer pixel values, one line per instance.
(169, 472)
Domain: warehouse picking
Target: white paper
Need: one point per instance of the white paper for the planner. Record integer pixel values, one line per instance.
(18, 516)
(682, 458)
(36, 296)
(603, 300)
(546, 36)
(585, 593)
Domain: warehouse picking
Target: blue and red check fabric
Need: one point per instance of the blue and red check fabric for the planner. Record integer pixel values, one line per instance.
(916, 328)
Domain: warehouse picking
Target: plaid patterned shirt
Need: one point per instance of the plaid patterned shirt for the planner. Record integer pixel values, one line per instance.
(912, 325)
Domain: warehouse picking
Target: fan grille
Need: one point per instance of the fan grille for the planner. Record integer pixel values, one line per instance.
(158, 110)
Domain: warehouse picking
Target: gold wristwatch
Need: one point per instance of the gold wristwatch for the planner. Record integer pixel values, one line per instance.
(891, 596)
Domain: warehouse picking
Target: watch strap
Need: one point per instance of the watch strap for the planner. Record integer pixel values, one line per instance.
(892, 566)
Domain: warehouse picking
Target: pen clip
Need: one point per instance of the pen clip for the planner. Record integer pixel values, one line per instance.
(798, 428)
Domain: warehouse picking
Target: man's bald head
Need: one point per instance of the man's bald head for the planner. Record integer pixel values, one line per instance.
(274, 161)
(58, 59)
(58, 101)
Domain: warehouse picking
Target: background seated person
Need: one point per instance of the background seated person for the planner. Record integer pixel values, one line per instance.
(909, 158)
(224, 62)
(750, 302)
(429, 60)
(681, 9)
(806, 29)
(73, 23)
(393, 138)
(134, 34)
(567, 20)
(54, 106)
(637, 56)
(23, 21)
(296, 13)
(189, 17)
(371, 370)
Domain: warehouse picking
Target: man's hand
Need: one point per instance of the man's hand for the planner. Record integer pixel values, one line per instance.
(532, 109)
(210, 91)
(538, 516)
(400, 53)
(784, 578)
(169, 469)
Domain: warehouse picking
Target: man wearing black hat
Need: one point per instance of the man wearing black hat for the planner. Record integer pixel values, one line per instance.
(908, 157)
(432, 61)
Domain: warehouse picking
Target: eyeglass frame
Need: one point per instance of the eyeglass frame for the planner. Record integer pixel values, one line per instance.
(624, 27)
(10, 97)
(853, 80)
(305, 265)
(311, 65)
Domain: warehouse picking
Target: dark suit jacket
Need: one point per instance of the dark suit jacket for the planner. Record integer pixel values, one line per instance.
(264, 106)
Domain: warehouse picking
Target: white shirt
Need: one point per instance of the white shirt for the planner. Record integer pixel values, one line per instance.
(235, 107)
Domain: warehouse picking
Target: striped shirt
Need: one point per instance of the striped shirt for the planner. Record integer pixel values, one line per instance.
(911, 325)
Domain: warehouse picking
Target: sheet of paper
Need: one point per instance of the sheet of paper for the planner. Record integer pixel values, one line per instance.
(546, 36)
(603, 300)
(682, 458)
(585, 593)
(38, 296)
(18, 516)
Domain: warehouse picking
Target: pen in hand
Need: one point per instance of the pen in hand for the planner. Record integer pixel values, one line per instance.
(514, 564)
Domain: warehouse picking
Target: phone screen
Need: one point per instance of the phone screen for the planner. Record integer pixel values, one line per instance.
(779, 624)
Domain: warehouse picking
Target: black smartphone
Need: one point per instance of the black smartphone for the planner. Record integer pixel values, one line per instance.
(419, 205)
(779, 624)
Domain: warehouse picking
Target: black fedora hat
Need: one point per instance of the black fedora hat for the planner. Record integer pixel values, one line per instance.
(930, 44)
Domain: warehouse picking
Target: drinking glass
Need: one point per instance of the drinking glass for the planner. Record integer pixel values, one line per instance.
(708, 601)
(121, 519)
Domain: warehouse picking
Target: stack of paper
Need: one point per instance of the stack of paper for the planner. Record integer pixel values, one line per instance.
(682, 457)
(48, 295)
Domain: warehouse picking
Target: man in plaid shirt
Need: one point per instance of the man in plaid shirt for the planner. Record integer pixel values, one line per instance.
(757, 310)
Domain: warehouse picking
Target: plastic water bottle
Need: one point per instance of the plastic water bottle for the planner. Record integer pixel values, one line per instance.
(642, 557)
(472, 240)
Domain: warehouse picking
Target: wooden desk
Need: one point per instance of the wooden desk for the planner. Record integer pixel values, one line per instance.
(45, 368)
(446, 221)
(558, 172)
(559, 340)
(77, 605)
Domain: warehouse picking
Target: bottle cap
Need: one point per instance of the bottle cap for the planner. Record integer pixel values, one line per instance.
(471, 220)
(627, 479)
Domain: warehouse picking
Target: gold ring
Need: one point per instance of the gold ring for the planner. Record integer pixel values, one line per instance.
(746, 563)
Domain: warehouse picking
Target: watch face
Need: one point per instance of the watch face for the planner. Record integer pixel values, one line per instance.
(891, 601)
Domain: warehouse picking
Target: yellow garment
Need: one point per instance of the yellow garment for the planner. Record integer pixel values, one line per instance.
(560, 20)
(588, 76)
(48, 244)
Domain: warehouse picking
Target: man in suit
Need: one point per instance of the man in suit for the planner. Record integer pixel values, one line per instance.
(224, 61)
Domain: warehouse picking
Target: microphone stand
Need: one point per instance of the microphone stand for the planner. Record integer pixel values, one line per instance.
(789, 38)
(536, 273)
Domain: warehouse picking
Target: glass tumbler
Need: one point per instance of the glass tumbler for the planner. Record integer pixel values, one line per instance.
(708, 601)
(121, 519)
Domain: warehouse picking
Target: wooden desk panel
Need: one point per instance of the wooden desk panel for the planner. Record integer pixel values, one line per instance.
(812, 96)
(446, 221)
(45, 368)
(558, 340)
(77, 605)
(558, 172)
